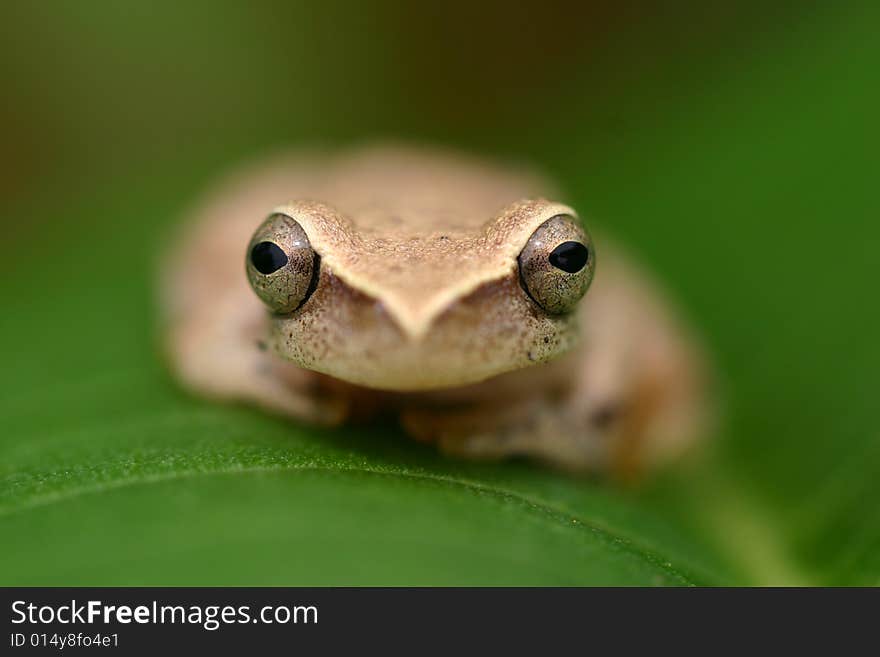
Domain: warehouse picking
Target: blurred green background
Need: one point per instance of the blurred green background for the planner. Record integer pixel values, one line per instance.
(733, 147)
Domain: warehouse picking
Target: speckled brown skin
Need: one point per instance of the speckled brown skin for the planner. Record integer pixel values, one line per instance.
(419, 308)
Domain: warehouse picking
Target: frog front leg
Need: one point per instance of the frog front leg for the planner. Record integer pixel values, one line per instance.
(533, 428)
(644, 422)
(541, 428)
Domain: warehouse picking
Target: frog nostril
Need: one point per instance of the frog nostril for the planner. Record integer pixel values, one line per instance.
(268, 257)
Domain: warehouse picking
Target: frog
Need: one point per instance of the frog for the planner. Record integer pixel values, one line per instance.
(439, 289)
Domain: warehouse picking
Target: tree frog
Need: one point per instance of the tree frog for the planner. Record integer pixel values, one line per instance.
(445, 291)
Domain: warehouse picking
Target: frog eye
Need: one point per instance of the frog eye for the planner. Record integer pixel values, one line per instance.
(282, 267)
(557, 264)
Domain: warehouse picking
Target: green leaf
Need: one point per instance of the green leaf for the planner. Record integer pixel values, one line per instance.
(747, 181)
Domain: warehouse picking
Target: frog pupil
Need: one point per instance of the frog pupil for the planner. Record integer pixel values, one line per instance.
(570, 257)
(268, 257)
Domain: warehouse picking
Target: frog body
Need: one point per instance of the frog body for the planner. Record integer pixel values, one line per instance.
(448, 291)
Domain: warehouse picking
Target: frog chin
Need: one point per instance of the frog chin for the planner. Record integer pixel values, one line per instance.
(397, 375)
(412, 368)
